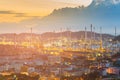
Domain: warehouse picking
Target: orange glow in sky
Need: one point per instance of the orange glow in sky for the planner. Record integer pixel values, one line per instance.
(17, 10)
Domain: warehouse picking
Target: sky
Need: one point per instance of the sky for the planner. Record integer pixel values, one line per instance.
(17, 16)
(18, 10)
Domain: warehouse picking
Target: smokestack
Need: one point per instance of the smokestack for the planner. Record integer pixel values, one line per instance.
(101, 33)
(31, 31)
(85, 33)
(91, 31)
(85, 38)
(115, 40)
(31, 37)
(91, 36)
(101, 37)
(61, 33)
(14, 40)
(94, 33)
(115, 32)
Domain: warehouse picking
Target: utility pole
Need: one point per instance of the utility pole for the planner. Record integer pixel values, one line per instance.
(94, 33)
(115, 40)
(91, 35)
(61, 37)
(61, 34)
(85, 33)
(101, 41)
(70, 34)
(115, 32)
(85, 38)
(15, 40)
(31, 37)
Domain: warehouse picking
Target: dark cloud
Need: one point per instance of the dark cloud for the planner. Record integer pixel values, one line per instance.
(12, 12)
(23, 15)
(6, 12)
(20, 15)
(16, 14)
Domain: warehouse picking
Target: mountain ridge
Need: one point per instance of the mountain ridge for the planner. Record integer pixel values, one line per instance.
(98, 15)
(50, 35)
(75, 18)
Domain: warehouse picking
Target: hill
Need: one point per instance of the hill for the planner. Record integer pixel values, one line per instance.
(50, 35)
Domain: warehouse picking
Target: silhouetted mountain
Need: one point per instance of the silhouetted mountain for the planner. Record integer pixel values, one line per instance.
(50, 35)
(100, 13)
(104, 13)
(74, 35)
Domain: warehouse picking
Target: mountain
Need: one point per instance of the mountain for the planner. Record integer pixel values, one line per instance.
(104, 9)
(50, 35)
(106, 2)
(100, 13)
(105, 13)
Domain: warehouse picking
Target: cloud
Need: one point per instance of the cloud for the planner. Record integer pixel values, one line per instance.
(24, 15)
(11, 12)
(16, 14)
(77, 2)
(6, 12)
(107, 2)
(19, 14)
(116, 1)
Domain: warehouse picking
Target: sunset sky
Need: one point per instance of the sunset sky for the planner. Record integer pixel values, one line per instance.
(18, 10)
(17, 16)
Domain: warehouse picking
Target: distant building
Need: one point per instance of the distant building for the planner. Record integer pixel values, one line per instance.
(113, 70)
(54, 59)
